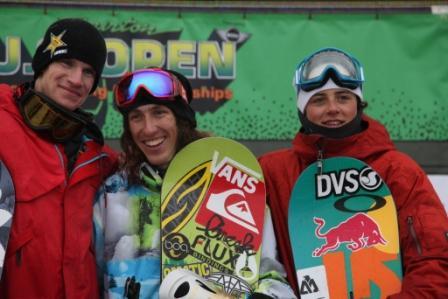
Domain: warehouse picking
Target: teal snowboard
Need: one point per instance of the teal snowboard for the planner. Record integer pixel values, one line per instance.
(344, 232)
(213, 205)
(7, 201)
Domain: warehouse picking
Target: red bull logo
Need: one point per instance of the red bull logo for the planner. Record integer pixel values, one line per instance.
(358, 231)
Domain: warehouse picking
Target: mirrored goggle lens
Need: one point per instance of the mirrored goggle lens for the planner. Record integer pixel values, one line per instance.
(321, 62)
(314, 72)
(158, 83)
(42, 117)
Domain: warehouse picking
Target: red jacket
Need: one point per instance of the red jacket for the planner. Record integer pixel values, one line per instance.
(49, 254)
(425, 256)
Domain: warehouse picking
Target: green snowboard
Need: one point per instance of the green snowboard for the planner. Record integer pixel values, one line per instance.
(213, 204)
(344, 232)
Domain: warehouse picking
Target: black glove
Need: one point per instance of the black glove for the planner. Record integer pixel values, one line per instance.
(131, 288)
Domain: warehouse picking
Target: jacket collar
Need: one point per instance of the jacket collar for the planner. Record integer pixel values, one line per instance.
(372, 141)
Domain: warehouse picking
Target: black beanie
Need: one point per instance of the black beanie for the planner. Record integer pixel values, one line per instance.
(71, 38)
(178, 106)
(184, 111)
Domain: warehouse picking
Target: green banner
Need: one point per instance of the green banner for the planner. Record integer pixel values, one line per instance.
(241, 65)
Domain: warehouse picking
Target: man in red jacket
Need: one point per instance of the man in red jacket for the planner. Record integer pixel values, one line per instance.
(56, 159)
(330, 107)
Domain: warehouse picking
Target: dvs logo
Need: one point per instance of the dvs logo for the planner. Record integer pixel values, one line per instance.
(347, 181)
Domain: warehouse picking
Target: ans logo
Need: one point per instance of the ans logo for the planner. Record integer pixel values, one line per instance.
(235, 173)
(347, 181)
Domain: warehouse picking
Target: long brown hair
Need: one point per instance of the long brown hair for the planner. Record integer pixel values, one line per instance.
(134, 157)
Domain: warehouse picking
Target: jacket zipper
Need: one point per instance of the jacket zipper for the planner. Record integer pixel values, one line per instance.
(320, 156)
(61, 159)
(320, 161)
(414, 234)
(102, 155)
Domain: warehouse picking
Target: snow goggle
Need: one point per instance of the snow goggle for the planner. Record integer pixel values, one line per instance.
(315, 70)
(41, 114)
(160, 84)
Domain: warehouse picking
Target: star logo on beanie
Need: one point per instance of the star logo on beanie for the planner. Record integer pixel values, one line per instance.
(55, 42)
